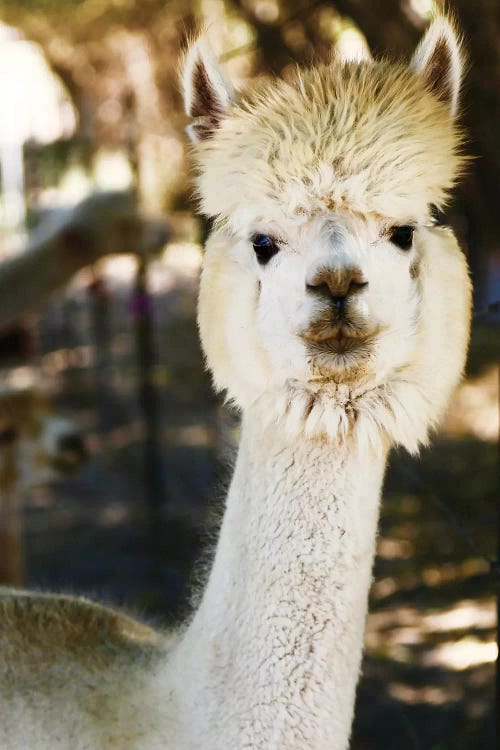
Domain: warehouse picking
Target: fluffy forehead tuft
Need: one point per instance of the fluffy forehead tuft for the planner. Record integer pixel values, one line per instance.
(361, 137)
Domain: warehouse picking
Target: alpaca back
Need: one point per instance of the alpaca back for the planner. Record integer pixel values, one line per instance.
(76, 675)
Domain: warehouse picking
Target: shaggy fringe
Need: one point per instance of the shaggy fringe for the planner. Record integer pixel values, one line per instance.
(344, 136)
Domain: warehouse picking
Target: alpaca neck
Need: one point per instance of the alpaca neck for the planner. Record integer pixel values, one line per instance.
(271, 658)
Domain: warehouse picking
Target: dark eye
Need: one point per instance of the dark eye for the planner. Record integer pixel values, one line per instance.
(402, 236)
(265, 247)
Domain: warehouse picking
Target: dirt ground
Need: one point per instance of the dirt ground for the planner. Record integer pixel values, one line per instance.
(428, 673)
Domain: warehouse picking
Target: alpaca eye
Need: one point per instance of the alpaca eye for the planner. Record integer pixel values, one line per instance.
(265, 247)
(402, 236)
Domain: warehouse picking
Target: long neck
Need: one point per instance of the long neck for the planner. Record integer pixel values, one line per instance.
(271, 658)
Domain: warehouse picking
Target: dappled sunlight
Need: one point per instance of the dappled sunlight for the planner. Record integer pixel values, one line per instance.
(179, 262)
(466, 614)
(432, 626)
(474, 409)
(266, 10)
(393, 548)
(114, 514)
(75, 185)
(423, 8)
(437, 642)
(396, 624)
(351, 45)
(426, 694)
(431, 575)
(463, 654)
(112, 170)
(196, 435)
(119, 270)
(61, 359)
(19, 378)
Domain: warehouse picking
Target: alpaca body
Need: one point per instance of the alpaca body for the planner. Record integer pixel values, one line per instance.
(275, 644)
(77, 676)
(336, 316)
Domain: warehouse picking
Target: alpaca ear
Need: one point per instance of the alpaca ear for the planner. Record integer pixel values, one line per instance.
(208, 94)
(438, 59)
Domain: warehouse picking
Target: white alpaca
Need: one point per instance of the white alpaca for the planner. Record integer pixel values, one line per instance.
(337, 318)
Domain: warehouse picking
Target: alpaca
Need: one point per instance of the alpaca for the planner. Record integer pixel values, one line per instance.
(335, 315)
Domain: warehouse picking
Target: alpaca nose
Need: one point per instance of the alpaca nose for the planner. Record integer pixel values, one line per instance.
(337, 284)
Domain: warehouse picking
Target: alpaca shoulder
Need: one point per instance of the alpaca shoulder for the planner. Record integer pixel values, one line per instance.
(39, 629)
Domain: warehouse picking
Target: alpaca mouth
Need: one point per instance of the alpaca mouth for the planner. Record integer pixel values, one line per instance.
(337, 338)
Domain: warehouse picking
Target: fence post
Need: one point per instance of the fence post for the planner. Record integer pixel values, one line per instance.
(153, 470)
(99, 312)
(11, 547)
(142, 309)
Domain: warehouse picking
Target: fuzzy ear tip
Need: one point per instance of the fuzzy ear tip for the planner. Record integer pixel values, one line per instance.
(207, 93)
(440, 60)
(446, 28)
(443, 27)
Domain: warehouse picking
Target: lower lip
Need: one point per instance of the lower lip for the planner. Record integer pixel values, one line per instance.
(338, 344)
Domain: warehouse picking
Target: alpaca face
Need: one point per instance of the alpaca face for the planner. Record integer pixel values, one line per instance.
(331, 297)
(321, 187)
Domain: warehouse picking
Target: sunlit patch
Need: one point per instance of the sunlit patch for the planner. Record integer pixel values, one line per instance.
(403, 626)
(431, 575)
(467, 614)
(114, 514)
(266, 11)
(474, 408)
(457, 639)
(112, 169)
(465, 653)
(121, 269)
(194, 436)
(395, 548)
(19, 378)
(423, 8)
(426, 694)
(60, 359)
(351, 45)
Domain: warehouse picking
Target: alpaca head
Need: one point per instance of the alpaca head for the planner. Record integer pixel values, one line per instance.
(324, 266)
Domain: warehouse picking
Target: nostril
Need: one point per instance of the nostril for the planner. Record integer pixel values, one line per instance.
(338, 303)
(357, 286)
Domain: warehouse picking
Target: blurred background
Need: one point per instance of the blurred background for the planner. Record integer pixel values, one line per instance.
(113, 449)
